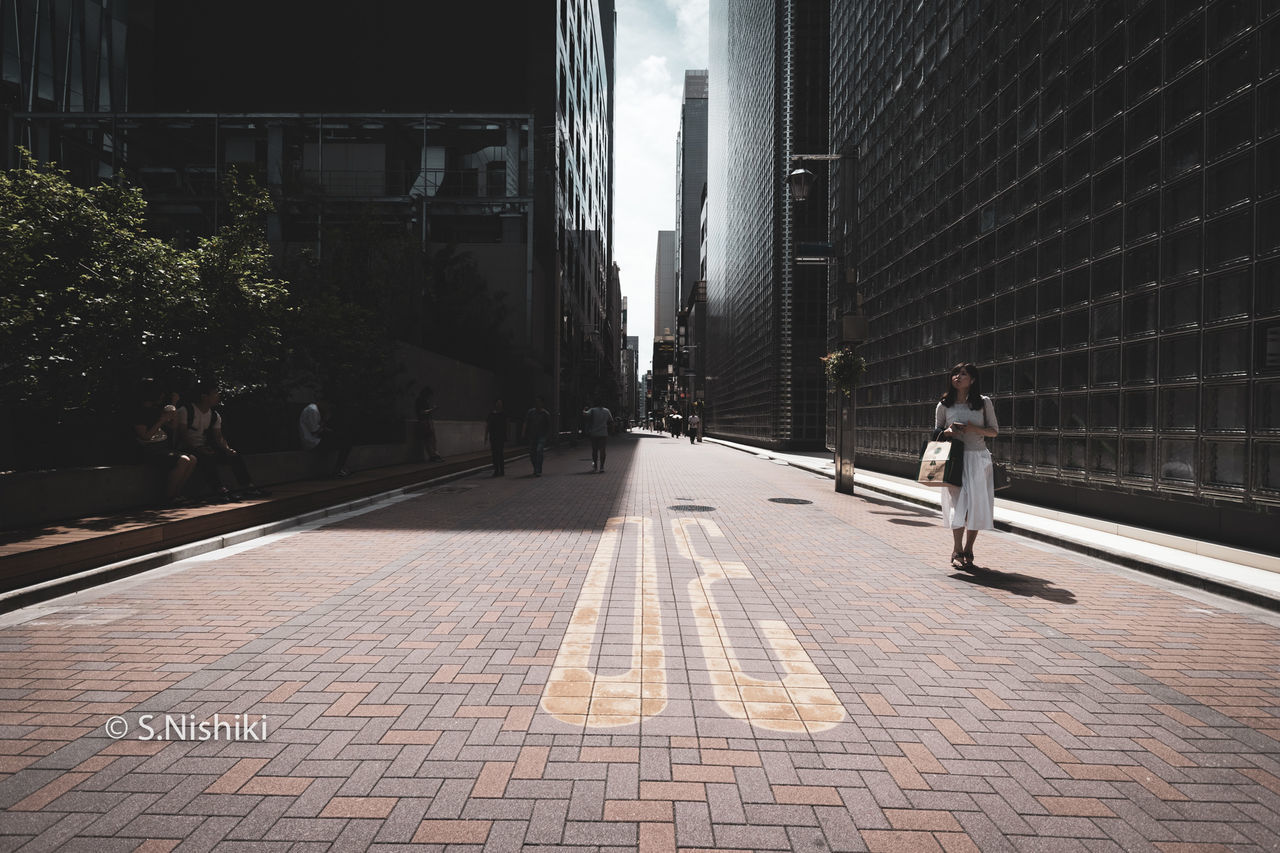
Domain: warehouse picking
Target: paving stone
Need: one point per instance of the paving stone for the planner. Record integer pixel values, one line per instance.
(412, 662)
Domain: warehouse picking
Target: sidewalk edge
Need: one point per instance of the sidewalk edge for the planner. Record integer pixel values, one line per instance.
(1254, 585)
(17, 599)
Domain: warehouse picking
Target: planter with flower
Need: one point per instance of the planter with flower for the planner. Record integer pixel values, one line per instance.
(844, 369)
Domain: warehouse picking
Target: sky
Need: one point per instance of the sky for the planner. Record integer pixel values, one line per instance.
(657, 41)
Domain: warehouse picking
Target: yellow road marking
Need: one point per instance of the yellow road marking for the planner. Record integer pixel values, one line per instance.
(575, 694)
(802, 701)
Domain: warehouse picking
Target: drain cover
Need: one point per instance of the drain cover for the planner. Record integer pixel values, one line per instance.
(691, 508)
(789, 501)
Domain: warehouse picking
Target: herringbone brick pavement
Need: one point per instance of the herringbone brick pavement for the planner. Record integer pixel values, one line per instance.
(658, 657)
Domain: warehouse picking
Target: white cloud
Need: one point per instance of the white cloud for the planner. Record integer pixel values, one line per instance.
(691, 19)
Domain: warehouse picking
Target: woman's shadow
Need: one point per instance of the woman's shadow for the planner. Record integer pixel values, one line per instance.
(1018, 584)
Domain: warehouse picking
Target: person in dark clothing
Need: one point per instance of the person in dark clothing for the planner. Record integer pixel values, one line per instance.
(155, 430)
(495, 435)
(537, 428)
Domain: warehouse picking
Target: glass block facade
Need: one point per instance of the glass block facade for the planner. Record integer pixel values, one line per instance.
(766, 316)
(1084, 199)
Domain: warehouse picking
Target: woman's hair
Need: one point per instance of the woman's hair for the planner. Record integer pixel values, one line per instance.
(975, 388)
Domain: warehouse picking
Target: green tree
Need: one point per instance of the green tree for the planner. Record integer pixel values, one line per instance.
(89, 302)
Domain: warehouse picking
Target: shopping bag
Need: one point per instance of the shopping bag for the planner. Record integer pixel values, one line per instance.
(942, 463)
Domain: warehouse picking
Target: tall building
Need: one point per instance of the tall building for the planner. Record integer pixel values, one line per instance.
(64, 57)
(1084, 199)
(766, 311)
(691, 191)
(666, 296)
(691, 180)
(501, 150)
(634, 401)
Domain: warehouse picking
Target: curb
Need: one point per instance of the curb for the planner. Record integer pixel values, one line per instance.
(18, 598)
(1257, 586)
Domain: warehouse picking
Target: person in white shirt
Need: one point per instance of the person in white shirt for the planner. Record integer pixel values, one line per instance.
(599, 419)
(317, 433)
(695, 431)
(964, 414)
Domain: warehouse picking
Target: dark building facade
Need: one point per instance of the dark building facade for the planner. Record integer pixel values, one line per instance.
(65, 55)
(1084, 199)
(766, 325)
(503, 152)
(691, 189)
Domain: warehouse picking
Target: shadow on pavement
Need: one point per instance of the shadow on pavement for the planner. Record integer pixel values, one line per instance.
(518, 501)
(907, 521)
(1026, 585)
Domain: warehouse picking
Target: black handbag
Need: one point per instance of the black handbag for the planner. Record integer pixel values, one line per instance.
(999, 471)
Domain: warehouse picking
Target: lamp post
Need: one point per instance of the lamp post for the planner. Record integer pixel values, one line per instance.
(852, 324)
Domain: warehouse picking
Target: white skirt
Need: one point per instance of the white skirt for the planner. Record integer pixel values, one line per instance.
(972, 505)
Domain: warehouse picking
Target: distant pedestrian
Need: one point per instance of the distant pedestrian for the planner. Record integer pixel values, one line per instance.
(424, 406)
(695, 424)
(537, 428)
(966, 415)
(495, 435)
(317, 432)
(201, 431)
(599, 419)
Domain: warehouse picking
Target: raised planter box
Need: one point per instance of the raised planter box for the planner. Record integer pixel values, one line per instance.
(29, 498)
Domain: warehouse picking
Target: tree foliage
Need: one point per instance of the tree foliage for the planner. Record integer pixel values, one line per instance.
(90, 302)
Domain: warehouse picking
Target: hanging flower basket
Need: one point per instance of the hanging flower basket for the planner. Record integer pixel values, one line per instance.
(844, 369)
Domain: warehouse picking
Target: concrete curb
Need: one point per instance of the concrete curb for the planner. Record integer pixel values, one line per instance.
(19, 598)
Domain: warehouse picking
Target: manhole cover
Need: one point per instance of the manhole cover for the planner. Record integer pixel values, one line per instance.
(789, 501)
(691, 508)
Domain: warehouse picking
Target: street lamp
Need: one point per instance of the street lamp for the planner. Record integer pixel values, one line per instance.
(852, 325)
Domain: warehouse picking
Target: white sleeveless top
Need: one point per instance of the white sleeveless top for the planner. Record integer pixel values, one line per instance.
(945, 416)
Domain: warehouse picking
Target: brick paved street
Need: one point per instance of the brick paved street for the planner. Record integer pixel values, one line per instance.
(657, 657)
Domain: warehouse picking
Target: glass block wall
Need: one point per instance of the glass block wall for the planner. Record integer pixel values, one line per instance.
(766, 316)
(1084, 199)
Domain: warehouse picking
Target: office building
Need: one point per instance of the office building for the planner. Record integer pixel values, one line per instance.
(666, 295)
(691, 193)
(1084, 199)
(502, 154)
(691, 180)
(766, 313)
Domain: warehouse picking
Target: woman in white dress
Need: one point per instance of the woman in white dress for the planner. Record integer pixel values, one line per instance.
(965, 414)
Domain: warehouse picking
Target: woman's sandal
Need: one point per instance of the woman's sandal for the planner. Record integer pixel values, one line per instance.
(957, 560)
(967, 557)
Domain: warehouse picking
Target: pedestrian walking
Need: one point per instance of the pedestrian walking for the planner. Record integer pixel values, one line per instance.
(965, 414)
(537, 427)
(599, 419)
(495, 435)
(694, 423)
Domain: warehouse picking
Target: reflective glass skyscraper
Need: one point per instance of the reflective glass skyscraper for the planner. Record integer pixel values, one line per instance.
(766, 314)
(1083, 198)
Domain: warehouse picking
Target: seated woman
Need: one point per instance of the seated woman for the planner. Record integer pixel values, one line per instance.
(155, 431)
